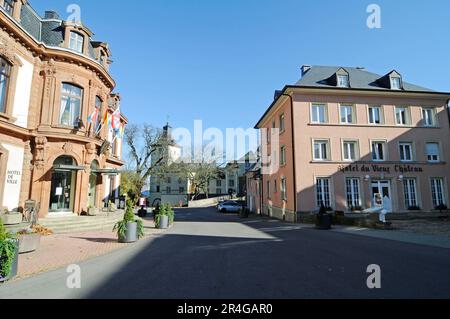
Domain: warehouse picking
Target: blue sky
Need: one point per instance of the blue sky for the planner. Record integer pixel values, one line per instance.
(220, 61)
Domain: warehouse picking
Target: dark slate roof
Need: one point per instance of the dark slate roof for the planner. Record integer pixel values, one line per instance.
(48, 31)
(318, 76)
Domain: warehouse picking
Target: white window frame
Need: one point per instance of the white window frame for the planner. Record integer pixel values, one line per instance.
(315, 107)
(321, 196)
(426, 117)
(410, 192)
(327, 150)
(344, 149)
(406, 113)
(76, 41)
(283, 188)
(345, 107)
(385, 157)
(438, 196)
(354, 196)
(343, 80)
(283, 155)
(438, 160)
(402, 149)
(282, 123)
(394, 80)
(370, 113)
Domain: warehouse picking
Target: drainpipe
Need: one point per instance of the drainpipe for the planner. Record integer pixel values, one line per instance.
(447, 107)
(294, 174)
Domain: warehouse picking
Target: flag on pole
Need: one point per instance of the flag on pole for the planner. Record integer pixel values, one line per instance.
(93, 118)
(115, 119)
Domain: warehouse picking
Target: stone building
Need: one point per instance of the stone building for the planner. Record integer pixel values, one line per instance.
(53, 77)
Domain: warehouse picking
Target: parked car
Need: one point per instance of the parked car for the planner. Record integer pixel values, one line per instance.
(229, 207)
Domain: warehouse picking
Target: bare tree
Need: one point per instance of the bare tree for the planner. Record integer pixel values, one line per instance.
(147, 147)
(199, 173)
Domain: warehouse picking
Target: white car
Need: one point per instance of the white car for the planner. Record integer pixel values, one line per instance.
(229, 207)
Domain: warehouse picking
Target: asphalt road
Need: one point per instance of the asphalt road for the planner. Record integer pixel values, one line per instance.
(209, 255)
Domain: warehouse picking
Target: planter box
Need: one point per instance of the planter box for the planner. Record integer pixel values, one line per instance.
(92, 211)
(29, 243)
(324, 222)
(130, 235)
(163, 222)
(14, 266)
(11, 219)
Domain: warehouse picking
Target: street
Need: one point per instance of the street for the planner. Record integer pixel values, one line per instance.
(210, 255)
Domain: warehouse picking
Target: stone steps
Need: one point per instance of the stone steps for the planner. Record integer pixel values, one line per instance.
(67, 225)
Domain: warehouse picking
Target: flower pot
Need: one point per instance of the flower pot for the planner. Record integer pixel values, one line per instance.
(163, 222)
(92, 211)
(14, 266)
(11, 219)
(130, 234)
(29, 243)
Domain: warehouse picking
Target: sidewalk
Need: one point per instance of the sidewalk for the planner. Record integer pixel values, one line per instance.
(442, 241)
(58, 251)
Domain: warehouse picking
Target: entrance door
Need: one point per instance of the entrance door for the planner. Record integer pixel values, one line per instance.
(62, 191)
(381, 190)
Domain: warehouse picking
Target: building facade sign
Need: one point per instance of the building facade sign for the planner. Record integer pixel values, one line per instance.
(379, 168)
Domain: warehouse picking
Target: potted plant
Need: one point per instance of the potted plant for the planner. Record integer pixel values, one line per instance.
(324, 219)
(441, 208)
(9, 254)
(131, 228)
(92, 211)
(11, 218)
(30, 238)
(163, 217)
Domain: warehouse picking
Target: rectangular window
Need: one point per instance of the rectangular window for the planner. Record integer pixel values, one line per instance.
(321, 150)
(218, 183)
(437, 192)
(282, 123)
(71, 97)
(283, 189)
(218, 191)
(428, 117)
(169, 180)
(347, 114)
(275, 186)
(350, 151)
(375, 116)
(410, 189)
(406, 152)
(396, 83)
(323, 192)
(319, 113)
(269, 195)
(283, 156)
(379, 151)
(8, 6)
(343, 81)
(231, 183)
(353, 193)
(181, 190)
(433, 153)
(402, 116)
(168, 190)
(5, 73)
(76, 42)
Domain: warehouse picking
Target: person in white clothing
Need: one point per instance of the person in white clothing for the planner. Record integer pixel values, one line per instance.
(387, 208)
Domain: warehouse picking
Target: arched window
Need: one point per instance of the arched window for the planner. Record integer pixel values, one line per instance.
(5, 74)
(71, 104)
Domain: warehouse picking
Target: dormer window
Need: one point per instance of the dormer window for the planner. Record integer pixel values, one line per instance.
(343, 80)
(76, 42)
(8, 6)
(396, 83)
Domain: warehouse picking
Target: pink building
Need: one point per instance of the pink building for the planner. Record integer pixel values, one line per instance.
(351, 140)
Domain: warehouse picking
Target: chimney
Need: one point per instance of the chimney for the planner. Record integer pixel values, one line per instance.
(305, 69)
(51, 15)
